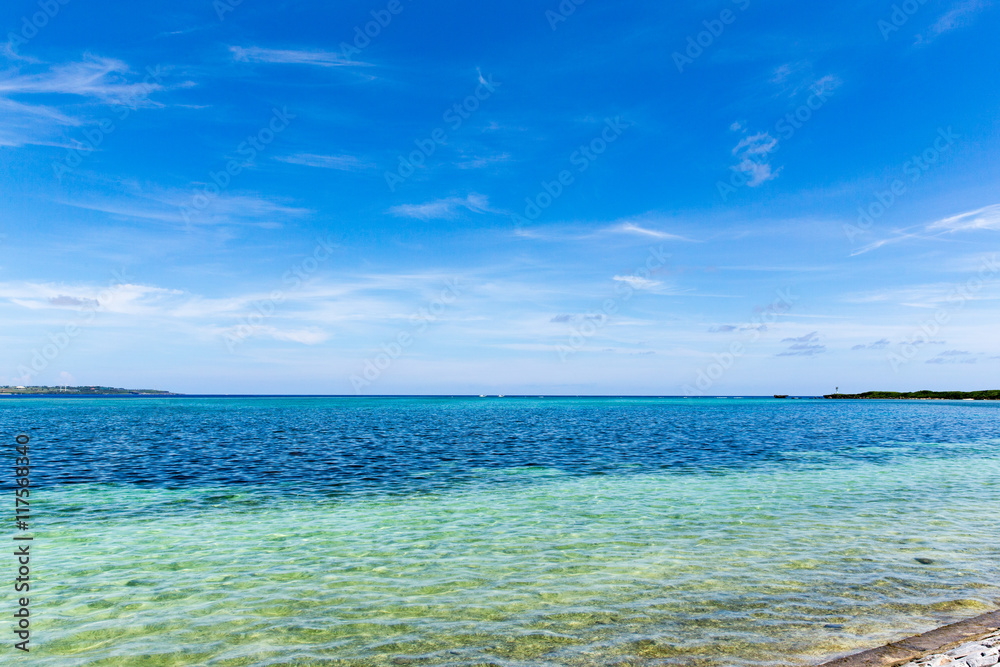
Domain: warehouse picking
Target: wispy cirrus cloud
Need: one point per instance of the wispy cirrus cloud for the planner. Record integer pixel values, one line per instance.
(881, 243)
(256, 54)
(32, 124)
(311, 309)
(444, 209)
(961, 15)
(338, 162)
(481, 162)
(125, 299)
(103, 79)
(645, 226)
(164, 205)
(42, 112)
(637, 282)
(94, 79)
(303, 336)
(629, 227)
(985, 218)
(915, 296)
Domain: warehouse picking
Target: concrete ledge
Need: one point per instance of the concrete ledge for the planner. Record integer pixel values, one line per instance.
(935, 641)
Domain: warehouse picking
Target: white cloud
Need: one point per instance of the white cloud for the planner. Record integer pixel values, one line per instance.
(632, 228)
(752, 154)
(98, 78)
(959, 16)
(46, 113)
(307, 336)
(104, 80)
(884, 242)
(638, 283)
(256, 54)
(826, 84)
(164, 205)
(32, 124)
(761, 143)
(782, 73)
(983, 218)
(478, 162)
(339, 162)
(447, 208)
(986, 218)
(758, 172)
(125, 299)
(929, 296)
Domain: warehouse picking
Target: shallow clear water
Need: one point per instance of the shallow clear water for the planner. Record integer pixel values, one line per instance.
(511, 532)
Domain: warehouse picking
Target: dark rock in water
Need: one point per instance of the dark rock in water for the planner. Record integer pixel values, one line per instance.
(834, 626)
(924, 561)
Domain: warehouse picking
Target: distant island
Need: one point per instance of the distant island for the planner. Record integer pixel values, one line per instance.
(83, 391)
(989, 395)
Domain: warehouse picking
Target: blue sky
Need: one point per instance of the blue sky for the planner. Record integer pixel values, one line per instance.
(530, 197)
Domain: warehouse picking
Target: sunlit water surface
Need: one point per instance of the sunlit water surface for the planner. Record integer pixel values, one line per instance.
(507, 532)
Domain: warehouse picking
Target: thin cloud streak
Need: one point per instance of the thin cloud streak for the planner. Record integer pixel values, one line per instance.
(448, 208)
(338, 162)
(986, 218)
(256, 54)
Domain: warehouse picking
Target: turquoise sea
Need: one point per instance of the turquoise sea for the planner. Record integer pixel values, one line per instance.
(468, 531)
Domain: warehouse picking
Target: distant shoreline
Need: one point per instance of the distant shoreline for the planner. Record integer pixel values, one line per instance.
(80, 391)
(926, 395)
